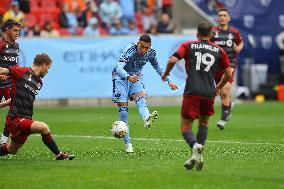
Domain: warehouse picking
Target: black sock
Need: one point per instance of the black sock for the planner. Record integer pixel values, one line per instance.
(4, 149)
(189, 137)
(50, 143)
(226, 110)
(5, 132)
(202, 134)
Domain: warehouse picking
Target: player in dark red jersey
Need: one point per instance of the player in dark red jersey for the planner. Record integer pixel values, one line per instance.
(230, 40)
(9, 53)
(26, 82)
(202, 59)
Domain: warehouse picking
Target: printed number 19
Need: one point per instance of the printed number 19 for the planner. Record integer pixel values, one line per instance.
(206, 58)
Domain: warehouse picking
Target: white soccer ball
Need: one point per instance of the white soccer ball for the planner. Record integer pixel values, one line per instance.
(119, 129)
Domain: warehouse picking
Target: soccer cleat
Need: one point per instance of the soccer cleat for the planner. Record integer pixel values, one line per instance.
(189, 164)
(129, 148)
(3, 139)
(150, 120)
(197, 152)
(221, 124)
(64, 156)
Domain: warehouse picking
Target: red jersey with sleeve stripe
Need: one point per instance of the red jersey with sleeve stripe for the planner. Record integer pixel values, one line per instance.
(25, 86)
(9, 54)
(202, 60)
(227, 40)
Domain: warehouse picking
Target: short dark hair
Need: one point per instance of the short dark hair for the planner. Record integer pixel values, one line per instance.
(223, 9)
(204, 29)
(41, 59)
(145, 38)
(9, 24)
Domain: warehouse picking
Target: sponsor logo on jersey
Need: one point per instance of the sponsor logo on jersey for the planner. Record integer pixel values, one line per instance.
(222, 43)
(229, 43)
(30, 88)
(11, 59)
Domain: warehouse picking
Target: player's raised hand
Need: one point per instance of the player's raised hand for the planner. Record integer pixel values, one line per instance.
(173, 86)
(133, 78)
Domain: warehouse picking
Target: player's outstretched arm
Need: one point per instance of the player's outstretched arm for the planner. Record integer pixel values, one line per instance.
(6, 103)
(239, 47)
(171, 62)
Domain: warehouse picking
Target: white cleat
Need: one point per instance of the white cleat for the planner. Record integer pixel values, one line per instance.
(150, 120)
(129, 148)
(197, 152)
(190, 163)
(221, 124)
(3, 139)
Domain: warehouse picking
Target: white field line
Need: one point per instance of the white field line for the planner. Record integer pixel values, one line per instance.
(168, 140)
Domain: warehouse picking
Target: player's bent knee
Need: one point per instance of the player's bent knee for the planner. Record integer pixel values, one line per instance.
(42, 128)
(45, 128)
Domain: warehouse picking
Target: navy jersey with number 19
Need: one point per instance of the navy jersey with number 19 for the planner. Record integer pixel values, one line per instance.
(202, 60)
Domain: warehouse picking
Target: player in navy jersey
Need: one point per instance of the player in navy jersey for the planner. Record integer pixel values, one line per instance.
(128, 82)
(230, 40)
(202, 59)
(26, 82)
(9, 53)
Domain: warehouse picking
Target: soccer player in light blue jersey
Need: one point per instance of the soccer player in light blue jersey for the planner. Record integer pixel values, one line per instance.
(128, 82)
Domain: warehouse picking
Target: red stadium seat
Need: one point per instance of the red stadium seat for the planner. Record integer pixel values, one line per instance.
(48, 4)
(4, 6)
(30, 20)
(64, 32)
(35, 4)
(79, 31)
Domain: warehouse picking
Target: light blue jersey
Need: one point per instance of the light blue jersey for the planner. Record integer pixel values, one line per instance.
(130, 63)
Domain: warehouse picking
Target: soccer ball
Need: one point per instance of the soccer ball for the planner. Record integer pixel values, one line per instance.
(119, 129)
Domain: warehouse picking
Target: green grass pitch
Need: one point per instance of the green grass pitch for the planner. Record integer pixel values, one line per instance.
(249, 153)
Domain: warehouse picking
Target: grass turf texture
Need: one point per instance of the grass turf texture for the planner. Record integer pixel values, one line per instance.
(248, 153)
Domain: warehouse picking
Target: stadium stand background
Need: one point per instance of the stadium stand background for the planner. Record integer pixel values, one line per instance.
(94, 57)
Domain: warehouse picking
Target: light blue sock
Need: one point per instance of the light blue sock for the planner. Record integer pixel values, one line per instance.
(123, 116)
(142, 107)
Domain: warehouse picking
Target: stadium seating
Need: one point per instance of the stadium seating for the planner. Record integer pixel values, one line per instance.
(4, 6)
(30, 20)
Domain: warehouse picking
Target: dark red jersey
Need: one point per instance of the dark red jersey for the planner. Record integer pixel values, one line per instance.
(202, 60)
(25, 86)
(227, 40)
(9, 54)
